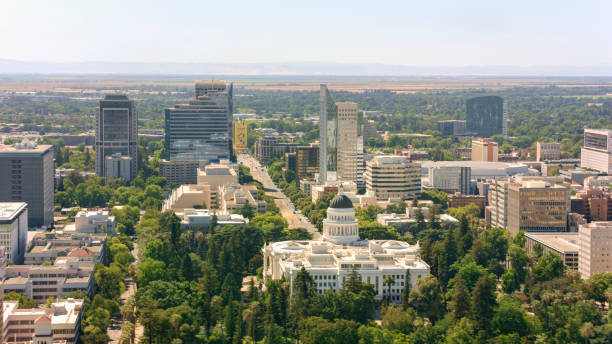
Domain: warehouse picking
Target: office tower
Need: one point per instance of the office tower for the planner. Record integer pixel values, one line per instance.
(451, 179)
(202, 129)
(486, 116)
(27, 175)
(304, 162)
(118, 166)
(484, 150)
(13, 230)
(596, 153)
(548, 151)
(594, 245)
(240, 136)
(451, 128)
(116, 132)
(393, 178)
(328, 133)
(268, 148)
(348, 137)
(179, 172)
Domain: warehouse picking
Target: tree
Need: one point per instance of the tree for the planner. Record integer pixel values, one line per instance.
(24, 301)
(247, 210)
(406, 290)
(510, 318)
(549, 266)
(483, 301)
(459, 305)
(389, 281)
(519, 260)
(461, 333)
(397, 319)
(427, 298)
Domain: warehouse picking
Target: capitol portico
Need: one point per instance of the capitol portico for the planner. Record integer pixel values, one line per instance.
(331, 259)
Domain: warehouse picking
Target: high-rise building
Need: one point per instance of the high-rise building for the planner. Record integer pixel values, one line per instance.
(304, 162)
(240, 136)
(27, 175)
(486, 116)
(451, 178)
(484, 150)
(451, 128)
(548, 151)
(593, 254)
(13, 230)
(393, 178)
(596, 153)
(116, 132)
(328, 133)
(348, 136)
(202, 129)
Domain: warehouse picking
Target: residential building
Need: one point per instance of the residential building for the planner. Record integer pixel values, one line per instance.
(450, 179)
(565, 245)
(202, 129)
(27, 175)
(548, 151)
(240, 136)
(47, 247)
(268, 148)
(118, 166)
(235, 196)
(13, 230)
(393, 178)
(486, 116)
(451, 128)
(457, 200)
(596, 153)
(179, 172)
(332, 259)
(59, 323)
(41, 282)
(116, 132)
(200, 219)
(484, 150)
(594, 256)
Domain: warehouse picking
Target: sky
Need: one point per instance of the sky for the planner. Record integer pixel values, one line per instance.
(408, 32)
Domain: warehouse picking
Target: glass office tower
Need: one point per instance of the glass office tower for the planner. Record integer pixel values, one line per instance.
(202, 129)
(328, 132)
(485, 116)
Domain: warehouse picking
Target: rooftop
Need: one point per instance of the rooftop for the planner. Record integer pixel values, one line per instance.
(25, 147)
(564, 242)
(9, 210)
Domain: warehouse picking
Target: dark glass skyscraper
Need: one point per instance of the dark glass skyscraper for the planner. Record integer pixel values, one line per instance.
(116, 131)
(328, 130)
(202, 129)
(486, 116)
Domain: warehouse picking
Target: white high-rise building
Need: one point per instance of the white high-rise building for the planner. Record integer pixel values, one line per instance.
(595, 241)
(14, 230)
(347, 141)
(393, 178)
(596, 153)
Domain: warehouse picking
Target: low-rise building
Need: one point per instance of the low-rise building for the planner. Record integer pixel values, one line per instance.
(46, 247)
(452, 128)
(234, 196)
(58, 323)
(13, 230)
(409, 219)
(548, 151)
(457, 200)
(565, 245)
(200, 219)
(189, 196)
(93, 221)
(216, 176)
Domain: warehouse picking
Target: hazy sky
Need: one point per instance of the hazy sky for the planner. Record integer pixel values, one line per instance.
(408, 32)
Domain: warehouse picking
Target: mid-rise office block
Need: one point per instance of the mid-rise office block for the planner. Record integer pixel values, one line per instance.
(202, 129)
(451, 128)
(596, 153)
(548, 151)
(13, 230)
(393, 178)
(118, 166)
(486, 116)
(457, 200)
(179, 172)
(27, 175)
(485, 150)
(116, 132)
(240, 136)
(594, 255)
(594, 203)
(451, 179)
(268, 148)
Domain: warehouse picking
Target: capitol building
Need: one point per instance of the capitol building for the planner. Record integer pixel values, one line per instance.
(332, 259)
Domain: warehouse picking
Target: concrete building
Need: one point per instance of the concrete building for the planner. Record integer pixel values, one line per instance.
(333, 258)
(93, 221)
(13, 230)
(348, 138)
(457, 200)
(480, 169)
(548, 151)
(412, 155)
(594, 203)
(41, 282)
(116, 132)
(565, 245)
(179, 172)
(202, 129)
(118, 166)
(189, 196)
(57, 324)
(451, 128)
(486, 116)
(410, 219)
(27, 175)
(216, 176)
(240, 136)
(596, 153)
(200, 219)
(450, 179)
(268, 148)
(393, 178)
(484, 150)
(594, 255)
(235, 196)
(46, 247)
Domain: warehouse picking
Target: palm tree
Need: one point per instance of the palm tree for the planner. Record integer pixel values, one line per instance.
(389, 281)
(175, 320)
(587, 331)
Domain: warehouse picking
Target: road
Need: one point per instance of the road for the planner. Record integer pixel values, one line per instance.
(114, 330)
(293, 216)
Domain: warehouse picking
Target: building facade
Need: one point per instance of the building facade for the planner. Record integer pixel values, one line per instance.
(486, 116)
(485, 150)
(594, 240)
(240, 136)
(548, 151)
(565, 245)
(27, 175)
(268, 148)
(13, 230)
(393, 178)
(347, 138)
(116, 132)
(202, 129)
(451, 179)
(596, 152)
(179, 172)
(451, 128)
(118, 166)
(457, 200)
(328, 135)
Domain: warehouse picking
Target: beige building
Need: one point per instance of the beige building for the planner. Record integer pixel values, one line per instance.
(93, 221)
(393, 178)
(179, 172)
(48, 246)
(548, 151)
(59, 323)
(565, 245)
(484, 150)
(240, 136)
(234, 196)
(216, 176)
(200, 219)
(189, 196)
(595, 240)
(347, 141)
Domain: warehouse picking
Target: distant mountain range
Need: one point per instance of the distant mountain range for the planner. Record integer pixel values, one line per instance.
(289, 68)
